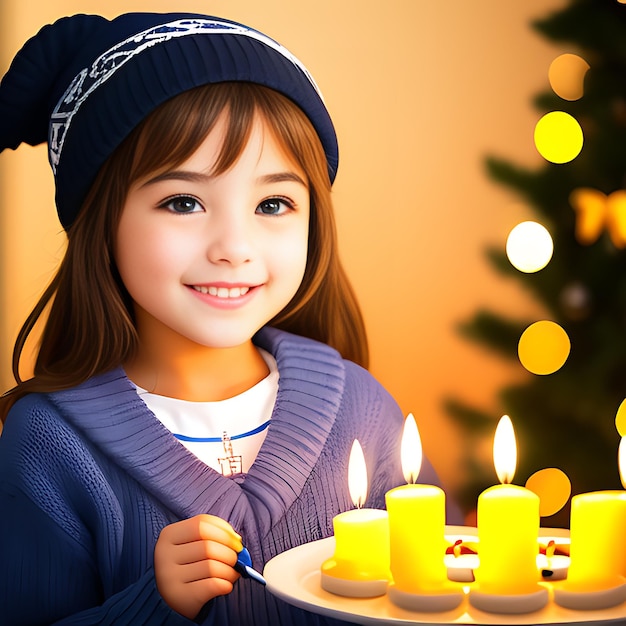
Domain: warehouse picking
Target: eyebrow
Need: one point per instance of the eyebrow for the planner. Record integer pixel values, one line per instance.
(282, 177)
(184, 175)
(199, 177)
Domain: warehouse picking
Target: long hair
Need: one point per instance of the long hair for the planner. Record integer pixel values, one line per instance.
(90, 325)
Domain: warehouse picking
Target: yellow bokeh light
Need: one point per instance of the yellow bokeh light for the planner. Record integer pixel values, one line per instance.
(543, 347)
(620, 419)
(529, 247)
(558, 137)
(553, 488)
(567, 76)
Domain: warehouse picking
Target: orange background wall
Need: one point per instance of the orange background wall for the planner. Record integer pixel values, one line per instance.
(420, 92)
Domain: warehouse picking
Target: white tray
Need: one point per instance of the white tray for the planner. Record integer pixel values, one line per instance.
(294, 576)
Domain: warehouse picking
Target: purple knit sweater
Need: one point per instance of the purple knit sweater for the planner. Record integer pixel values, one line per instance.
(89, 477)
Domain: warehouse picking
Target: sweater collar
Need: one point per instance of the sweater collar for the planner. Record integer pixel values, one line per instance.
(111, 415)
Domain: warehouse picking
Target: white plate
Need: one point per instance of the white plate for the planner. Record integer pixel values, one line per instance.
(294, 576)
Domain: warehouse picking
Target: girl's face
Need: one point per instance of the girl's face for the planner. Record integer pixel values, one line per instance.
(212, 258)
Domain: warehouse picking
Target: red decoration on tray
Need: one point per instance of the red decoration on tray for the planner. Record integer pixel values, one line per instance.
(460, 547)
(550, 549)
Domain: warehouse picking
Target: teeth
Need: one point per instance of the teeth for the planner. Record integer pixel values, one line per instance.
(223, 292)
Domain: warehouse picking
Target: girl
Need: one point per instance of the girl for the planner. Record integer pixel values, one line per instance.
(196, 387)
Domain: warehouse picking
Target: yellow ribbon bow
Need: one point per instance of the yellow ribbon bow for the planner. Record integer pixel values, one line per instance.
(595, 210)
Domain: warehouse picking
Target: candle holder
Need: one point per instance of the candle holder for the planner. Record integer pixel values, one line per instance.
(352, 588)
(446, 598)
(509, 603)
(590, 600)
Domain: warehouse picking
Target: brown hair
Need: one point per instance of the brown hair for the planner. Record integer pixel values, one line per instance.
(90, 327)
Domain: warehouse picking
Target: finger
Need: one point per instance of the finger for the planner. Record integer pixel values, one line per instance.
(214, 524)
(202, 570)
(209, 588)
(204, 550)
(207, 527)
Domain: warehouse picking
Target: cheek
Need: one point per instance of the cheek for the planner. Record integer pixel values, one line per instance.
(143, 257)
(290, 259)
(298, 263)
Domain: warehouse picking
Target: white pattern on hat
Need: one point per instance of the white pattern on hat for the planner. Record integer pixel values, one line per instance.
(89, 79)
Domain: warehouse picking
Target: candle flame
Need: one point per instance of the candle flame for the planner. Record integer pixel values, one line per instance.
(621, 459)
(411, 450)
(357, 475)
(505, 450)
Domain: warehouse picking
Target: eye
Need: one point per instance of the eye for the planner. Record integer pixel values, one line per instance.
(181, 204)
(274, 206)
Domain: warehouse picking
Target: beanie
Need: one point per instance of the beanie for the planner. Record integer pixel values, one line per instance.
(84, 83)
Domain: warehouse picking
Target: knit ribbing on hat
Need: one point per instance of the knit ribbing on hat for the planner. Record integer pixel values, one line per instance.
(113, 59)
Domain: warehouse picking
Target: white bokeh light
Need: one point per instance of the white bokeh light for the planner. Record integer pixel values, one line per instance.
(529, 247)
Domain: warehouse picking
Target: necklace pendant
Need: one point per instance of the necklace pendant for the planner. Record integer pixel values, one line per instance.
(230, 464)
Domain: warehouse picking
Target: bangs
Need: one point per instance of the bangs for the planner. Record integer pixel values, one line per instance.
(174, 131)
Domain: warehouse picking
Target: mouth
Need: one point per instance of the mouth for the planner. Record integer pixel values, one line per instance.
(225, 293)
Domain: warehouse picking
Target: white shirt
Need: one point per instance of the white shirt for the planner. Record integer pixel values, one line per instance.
(226, 435)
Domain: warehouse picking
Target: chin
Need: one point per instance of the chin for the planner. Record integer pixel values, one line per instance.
(224, 341)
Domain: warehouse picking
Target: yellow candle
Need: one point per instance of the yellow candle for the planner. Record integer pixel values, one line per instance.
(416, 529)
(361, 538)
(361, 546)
(508, 526)
(598, 541)
(595, 579)
(417, 519)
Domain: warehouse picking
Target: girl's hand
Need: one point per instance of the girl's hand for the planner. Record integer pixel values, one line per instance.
(193, 562)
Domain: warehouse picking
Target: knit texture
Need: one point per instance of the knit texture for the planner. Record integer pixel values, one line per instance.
(89, 477)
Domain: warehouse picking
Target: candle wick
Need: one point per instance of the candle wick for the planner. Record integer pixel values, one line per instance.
(411, 479)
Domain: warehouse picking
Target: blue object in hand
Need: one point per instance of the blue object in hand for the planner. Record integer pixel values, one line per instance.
(244, 567)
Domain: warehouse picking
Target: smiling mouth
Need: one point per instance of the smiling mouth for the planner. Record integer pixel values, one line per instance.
(222, 292)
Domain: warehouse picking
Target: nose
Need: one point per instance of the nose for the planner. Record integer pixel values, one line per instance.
(230, 239)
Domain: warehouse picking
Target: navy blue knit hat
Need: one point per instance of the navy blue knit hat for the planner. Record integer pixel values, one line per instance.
(84, 82)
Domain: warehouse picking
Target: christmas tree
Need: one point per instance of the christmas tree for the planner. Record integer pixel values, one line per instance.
(567, 419)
